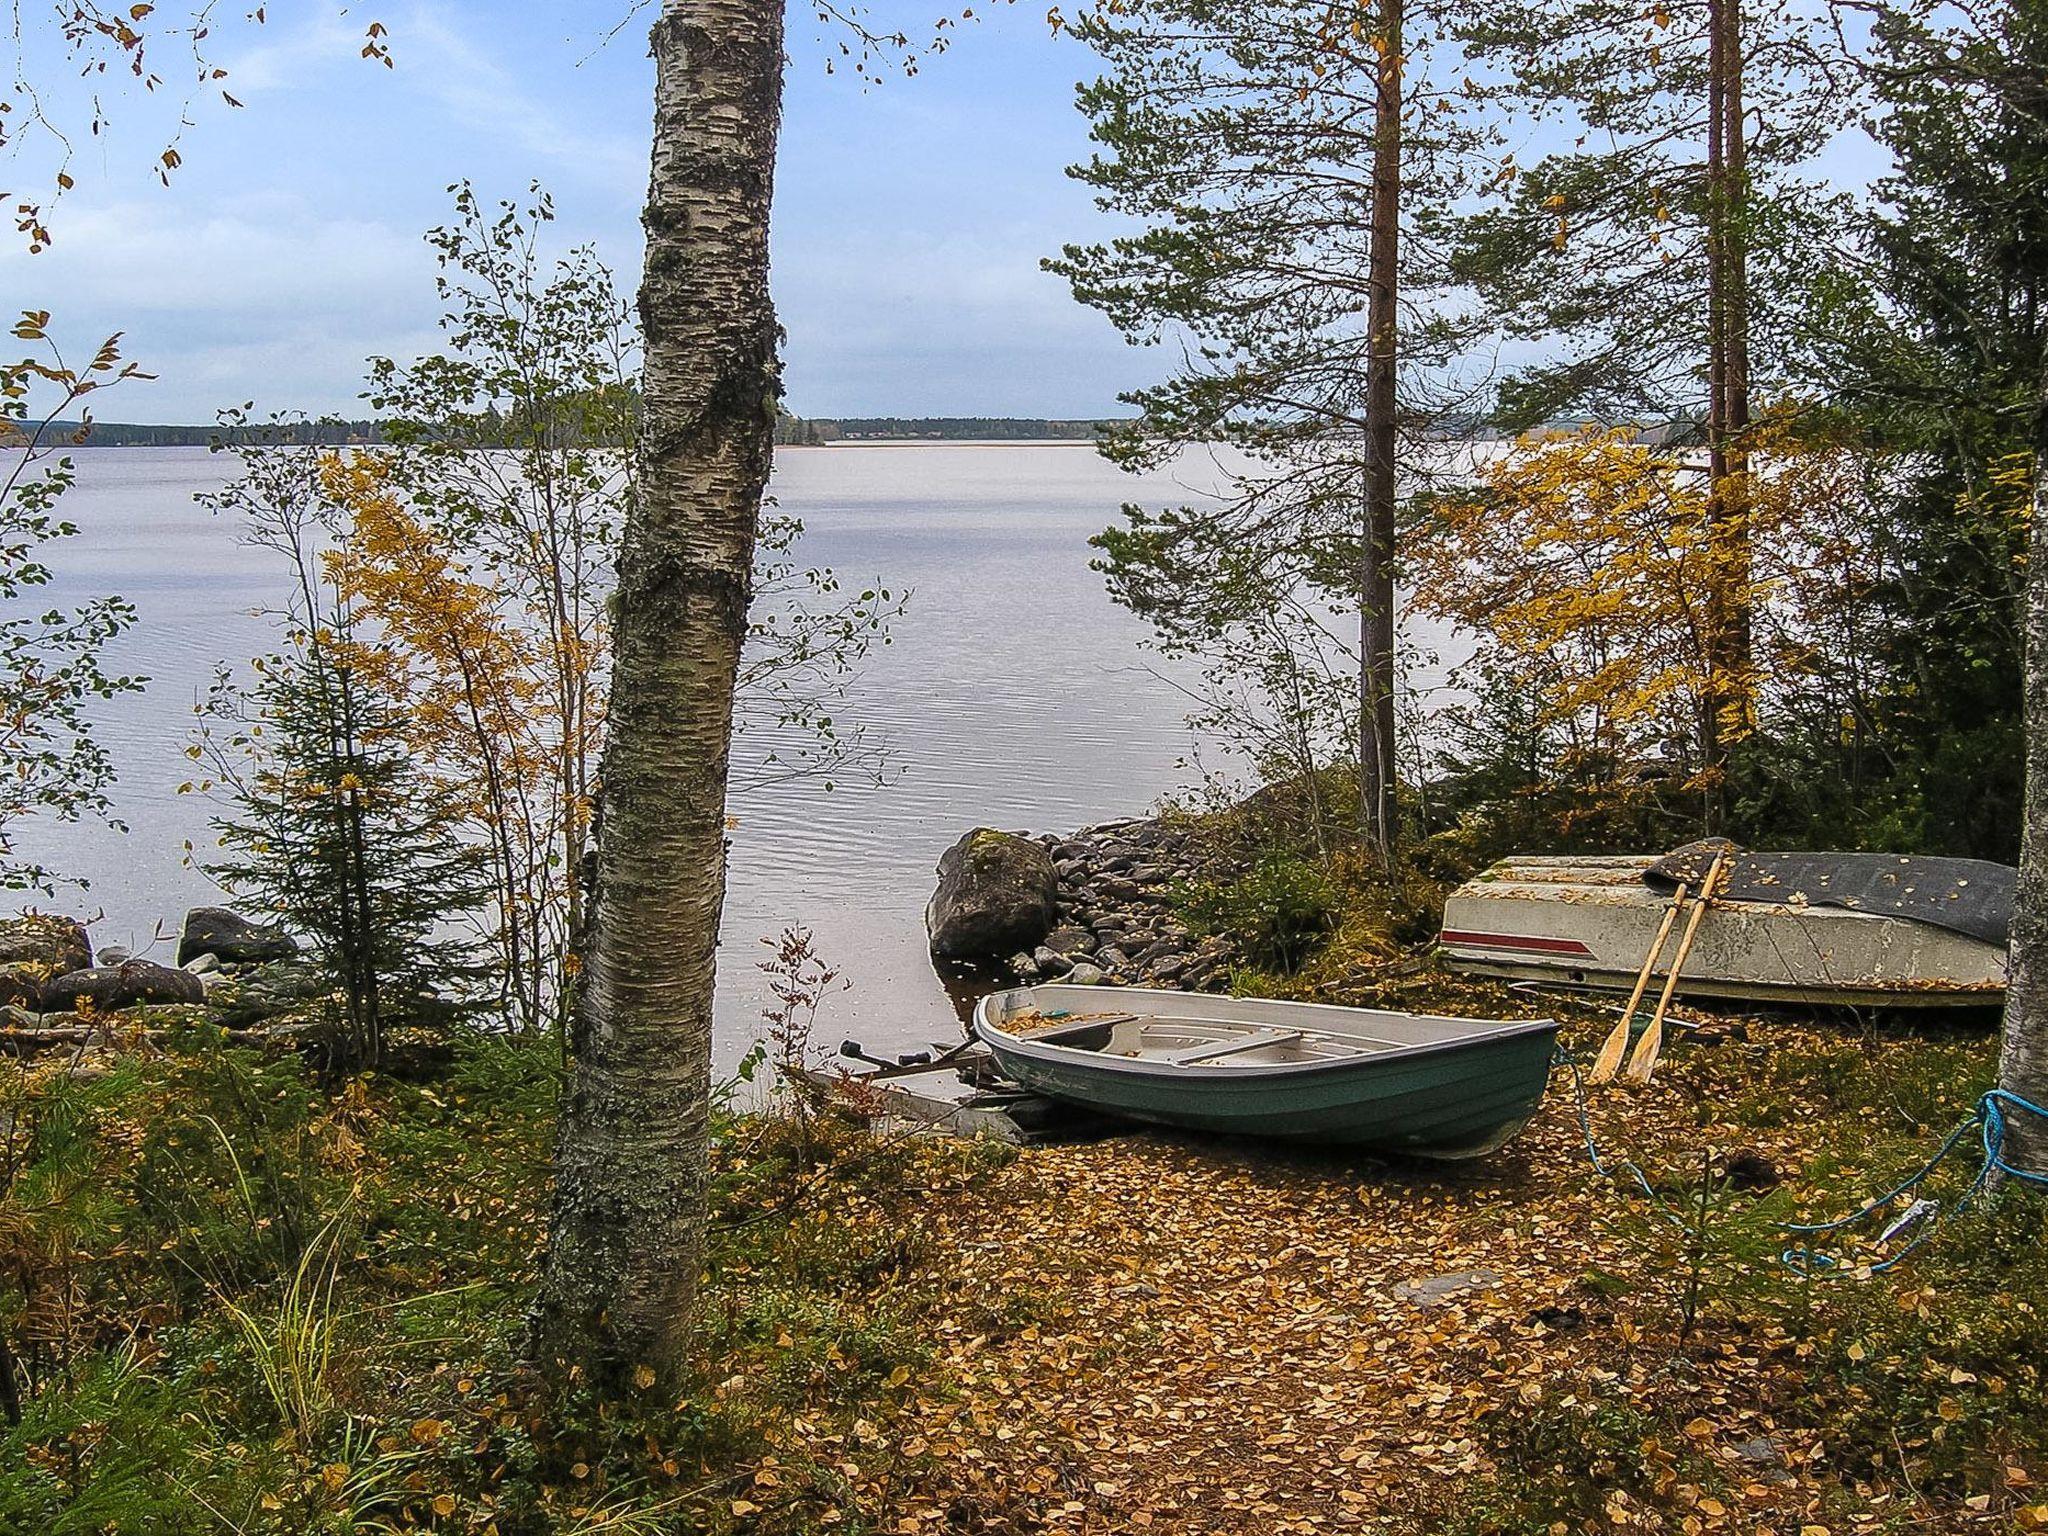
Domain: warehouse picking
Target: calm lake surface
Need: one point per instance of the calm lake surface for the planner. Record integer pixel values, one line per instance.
(1015, 694)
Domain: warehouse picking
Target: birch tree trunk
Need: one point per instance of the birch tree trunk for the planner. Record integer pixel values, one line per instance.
(626, 1230)
(1376, 573)
(2023, 1047)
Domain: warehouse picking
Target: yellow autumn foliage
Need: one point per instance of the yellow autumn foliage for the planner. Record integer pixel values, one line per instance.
(1597, 576)
(499, 698)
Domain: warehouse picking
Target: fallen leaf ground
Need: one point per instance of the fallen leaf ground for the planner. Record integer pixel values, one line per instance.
(1228, 1337)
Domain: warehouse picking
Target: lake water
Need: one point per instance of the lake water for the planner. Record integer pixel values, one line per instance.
(1015, 694)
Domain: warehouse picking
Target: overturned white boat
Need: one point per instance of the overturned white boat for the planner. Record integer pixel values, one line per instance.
(1876, 930)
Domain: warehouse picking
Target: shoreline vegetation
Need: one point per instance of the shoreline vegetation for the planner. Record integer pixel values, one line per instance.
(304, 1309)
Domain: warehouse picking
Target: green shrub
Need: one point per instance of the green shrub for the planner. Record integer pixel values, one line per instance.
(1278, 912)
(1574, 1458)
(88, 1460)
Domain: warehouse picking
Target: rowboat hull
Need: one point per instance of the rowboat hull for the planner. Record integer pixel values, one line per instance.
(1590, 921)
(1431, 1087)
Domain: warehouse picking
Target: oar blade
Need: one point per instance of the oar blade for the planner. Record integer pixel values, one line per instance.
(1608, 1062)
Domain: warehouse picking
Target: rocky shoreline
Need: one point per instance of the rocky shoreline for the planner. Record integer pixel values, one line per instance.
(230, 971)
(1092, 907)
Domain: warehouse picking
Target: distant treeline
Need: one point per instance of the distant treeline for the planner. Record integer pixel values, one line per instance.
(806, 431)
(124, 434)
(789, 430)
(818, 429)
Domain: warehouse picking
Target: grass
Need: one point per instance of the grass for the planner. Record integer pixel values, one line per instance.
(242, 1305)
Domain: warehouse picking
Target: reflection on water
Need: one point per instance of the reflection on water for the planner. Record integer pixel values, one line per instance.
(1015, 694)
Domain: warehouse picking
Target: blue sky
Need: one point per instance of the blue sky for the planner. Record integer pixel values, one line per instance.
(910, 218)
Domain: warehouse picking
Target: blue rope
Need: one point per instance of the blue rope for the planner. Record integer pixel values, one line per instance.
(1993, 1108)
(1989, 1118)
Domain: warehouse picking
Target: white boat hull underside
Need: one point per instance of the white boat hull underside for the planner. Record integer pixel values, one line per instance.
(1588, 921)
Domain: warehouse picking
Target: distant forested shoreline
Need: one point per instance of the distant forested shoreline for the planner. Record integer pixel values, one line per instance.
(791, 430)
(123, 434)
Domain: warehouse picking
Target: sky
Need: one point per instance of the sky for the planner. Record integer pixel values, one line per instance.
(910, 217)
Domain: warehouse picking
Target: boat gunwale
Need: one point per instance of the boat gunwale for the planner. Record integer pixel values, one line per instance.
(999, 1040)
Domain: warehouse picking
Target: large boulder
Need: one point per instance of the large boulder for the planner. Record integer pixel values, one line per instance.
(997, 894)
(60, 943)
(34, 948)
(109, 987)
(231, 938)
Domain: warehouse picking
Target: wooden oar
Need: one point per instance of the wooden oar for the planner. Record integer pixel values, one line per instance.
(1643, 1060)
(1608, 1062)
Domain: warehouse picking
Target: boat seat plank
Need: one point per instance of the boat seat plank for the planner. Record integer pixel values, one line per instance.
(1052, 1032)
(1263, 1038)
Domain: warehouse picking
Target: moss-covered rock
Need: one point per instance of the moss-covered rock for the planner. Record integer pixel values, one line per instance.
(261, 993)
(107, 987)
(997, 894)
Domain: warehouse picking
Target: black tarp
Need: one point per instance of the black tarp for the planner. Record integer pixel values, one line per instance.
(1969, 896)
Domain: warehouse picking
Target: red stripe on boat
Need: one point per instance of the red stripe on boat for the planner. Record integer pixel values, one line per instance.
(1535, 943)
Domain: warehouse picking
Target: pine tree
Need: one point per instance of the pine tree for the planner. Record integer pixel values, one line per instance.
(1928, 337)
(1288, 166)
(331, 826)
(1938, 340)
(338, 834)
(1646, 258)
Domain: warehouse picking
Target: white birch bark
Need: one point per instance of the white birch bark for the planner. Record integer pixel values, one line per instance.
(626, 1232)
(2023, 1046)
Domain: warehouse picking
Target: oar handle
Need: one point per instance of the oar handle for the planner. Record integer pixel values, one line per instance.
(1656, 949)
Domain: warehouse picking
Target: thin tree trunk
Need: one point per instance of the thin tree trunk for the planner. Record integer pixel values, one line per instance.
(10, 1387)
(1716, 649)
(626, 1233)
(2023, 1046)
(1376, 565)
(1735, 414)
(1730, 704)
(366, 1003)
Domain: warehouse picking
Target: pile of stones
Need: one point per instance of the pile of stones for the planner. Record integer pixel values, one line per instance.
(235, 971)
(1094, 906)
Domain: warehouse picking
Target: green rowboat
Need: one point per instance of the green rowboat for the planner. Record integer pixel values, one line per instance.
(1396, 1082)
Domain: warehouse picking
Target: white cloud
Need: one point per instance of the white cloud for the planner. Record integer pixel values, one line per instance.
(269, 253)
(441, 62)
(289, 55)
(268, 297)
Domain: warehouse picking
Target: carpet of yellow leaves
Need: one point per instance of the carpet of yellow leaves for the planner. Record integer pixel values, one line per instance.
(1238, 1338)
